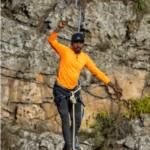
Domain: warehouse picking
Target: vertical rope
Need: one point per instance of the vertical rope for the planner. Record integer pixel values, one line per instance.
(73, 126)
(76, 6)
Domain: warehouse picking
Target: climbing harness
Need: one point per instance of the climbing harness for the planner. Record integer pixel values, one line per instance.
(66, 96)
(72, 96)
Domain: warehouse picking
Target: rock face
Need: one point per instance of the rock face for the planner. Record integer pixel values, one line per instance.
(139, 138)
(29, 64)
(26, 140)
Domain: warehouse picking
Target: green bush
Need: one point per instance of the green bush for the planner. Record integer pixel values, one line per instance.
(110, 127)
(141, 6)
(140, 107)
(102, 128)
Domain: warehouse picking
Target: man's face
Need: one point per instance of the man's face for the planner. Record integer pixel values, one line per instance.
(77, 46)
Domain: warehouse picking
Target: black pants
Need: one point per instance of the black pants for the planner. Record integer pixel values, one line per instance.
(64, 106)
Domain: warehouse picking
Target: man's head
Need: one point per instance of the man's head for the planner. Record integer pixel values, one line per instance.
(77, 42)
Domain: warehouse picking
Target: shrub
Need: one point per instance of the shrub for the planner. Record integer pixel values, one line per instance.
(140, 107)
(142, 6)
(110, 127)
(102, 128)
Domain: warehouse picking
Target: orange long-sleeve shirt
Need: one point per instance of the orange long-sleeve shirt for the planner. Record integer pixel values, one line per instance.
(71, 64)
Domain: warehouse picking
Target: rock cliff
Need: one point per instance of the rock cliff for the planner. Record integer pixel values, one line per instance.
(29, 64)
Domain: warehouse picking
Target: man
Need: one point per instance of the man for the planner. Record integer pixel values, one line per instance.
(72, 60)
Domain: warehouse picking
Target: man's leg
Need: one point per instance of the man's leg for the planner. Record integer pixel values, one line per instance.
(64, 114)
(63, 111)
(77, 118)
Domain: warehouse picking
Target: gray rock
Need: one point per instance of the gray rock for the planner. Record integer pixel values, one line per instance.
(47, 143)
(25, 53)
(144, 142)
(130, 142)
(121, 141)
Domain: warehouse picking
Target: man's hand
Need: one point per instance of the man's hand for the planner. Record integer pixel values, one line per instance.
(118, 91)
(61, 25)
(116, 88)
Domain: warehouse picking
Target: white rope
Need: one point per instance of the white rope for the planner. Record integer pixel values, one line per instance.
(74, 101)
(73, 126)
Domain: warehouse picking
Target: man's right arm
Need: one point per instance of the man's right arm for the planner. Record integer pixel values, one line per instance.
(60, 48)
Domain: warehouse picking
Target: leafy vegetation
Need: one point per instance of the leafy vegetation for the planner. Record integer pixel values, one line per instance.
(102, 128)
(142, 6)
(138, 107)
(110, 127)
(84, 135)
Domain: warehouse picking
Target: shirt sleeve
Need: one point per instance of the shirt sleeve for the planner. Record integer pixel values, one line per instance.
(99, 74)
(58, 47)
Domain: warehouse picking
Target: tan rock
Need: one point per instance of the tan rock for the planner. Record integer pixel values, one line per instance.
(146, 92)
(132, 82)
(8, 117)
(97, 90)
(46, 79)
(29, 113)
(93, 107)
(19, 91)
(50, 110)
(55, 124)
